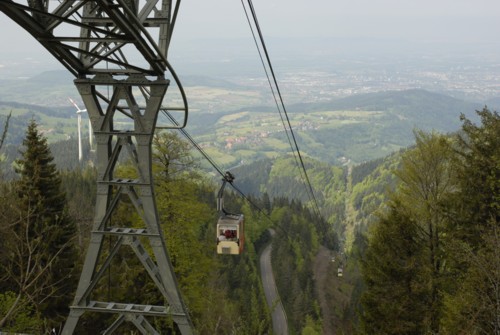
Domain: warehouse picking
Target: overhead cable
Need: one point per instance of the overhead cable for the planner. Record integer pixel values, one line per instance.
(270, 84)
(210, 160)
(295, 147)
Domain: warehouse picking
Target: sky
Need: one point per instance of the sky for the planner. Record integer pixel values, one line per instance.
(437, 21)
(420, 19)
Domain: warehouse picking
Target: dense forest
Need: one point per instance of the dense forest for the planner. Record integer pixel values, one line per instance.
(429, 259)
(46, 218)
(416, 234)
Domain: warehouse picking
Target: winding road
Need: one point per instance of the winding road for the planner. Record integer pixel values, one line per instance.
(280, 325)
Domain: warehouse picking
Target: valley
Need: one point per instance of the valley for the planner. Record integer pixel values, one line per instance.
(344, 105)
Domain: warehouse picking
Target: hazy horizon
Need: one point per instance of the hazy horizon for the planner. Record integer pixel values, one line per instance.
(385, 36)
(424, 22)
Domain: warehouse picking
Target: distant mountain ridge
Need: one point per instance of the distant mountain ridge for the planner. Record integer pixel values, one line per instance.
(358, 128)
(396, 114)
(426, 110)
(49, 111)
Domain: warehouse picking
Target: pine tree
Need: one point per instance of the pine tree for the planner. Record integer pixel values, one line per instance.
(474, 307)
(394, 301)
(415, 231)
(48, 230)
(479, 172)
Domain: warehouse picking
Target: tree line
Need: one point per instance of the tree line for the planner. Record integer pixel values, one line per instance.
(46, 215)
(432, 264)
(424, 257)
(425, 252)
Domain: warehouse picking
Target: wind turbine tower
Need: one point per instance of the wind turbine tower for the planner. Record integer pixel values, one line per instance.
(79, 113)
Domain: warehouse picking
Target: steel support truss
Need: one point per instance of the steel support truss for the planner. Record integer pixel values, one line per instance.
(117, 51)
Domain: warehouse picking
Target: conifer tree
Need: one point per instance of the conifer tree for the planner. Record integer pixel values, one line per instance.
(474, 307)
(479, 176)
(395, 298)
(415, 214)
(43, 234)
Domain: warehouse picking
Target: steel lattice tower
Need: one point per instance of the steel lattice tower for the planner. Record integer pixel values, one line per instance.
(117, 51)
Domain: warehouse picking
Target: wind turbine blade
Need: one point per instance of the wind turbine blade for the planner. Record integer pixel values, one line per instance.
(74, 104)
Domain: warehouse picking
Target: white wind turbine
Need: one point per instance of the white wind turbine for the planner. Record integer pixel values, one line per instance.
(79, 113)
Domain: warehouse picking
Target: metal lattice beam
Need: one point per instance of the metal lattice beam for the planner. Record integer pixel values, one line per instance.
(115, 49)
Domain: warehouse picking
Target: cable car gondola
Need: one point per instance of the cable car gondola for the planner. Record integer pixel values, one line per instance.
(230, 227)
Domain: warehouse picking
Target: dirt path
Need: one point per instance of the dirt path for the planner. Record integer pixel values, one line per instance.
(321, 265)
(333, 292)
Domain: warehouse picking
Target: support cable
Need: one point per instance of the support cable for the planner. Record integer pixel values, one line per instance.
(213, 163)
(262, 42)
(179, 126)
(270, 84)
(120, 57)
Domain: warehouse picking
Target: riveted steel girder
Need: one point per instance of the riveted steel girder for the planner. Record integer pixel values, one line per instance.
(122, 125)
(115, 49)
(89, 37)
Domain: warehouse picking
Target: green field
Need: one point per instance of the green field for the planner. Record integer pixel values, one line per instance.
(235, 124)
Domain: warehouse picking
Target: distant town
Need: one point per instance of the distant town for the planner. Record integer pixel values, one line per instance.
(475, 82)
(318, 74)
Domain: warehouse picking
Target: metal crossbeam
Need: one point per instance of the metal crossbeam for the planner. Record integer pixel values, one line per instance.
(114, 307)
(140, 193)
(90, 37)
(114, 49)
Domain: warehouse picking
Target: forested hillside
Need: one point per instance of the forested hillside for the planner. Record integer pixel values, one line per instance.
(415, 233)
(429, 258)
(224, 293)
(355, 129)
